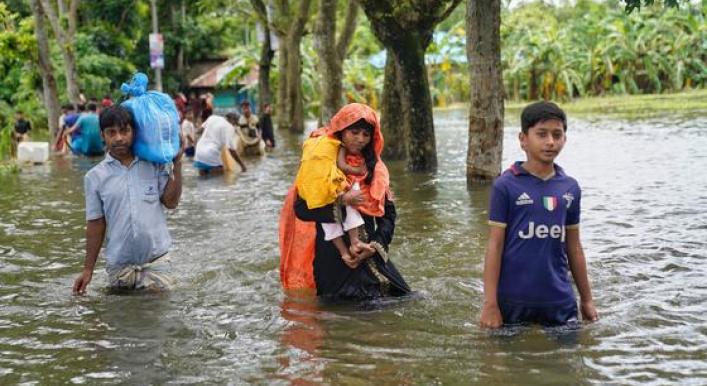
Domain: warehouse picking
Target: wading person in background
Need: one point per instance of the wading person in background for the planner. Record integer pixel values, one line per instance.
(534, 233)
(266, 129)
(215, 147)
(188, 133)
(308, 260)
(86, 134)
(125, 201)
(66, 121)
(248, 132)
(20, 132)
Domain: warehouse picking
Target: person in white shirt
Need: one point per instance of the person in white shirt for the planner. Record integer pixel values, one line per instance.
(218, 136)
(189, 133)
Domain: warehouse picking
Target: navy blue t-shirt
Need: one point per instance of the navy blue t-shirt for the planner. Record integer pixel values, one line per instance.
(535, 214)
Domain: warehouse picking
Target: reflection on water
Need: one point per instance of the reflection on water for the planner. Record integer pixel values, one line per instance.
(644, 232)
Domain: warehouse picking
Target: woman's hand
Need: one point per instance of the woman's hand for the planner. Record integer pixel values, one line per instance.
(366, 251)
(352, 198)
(350, 261)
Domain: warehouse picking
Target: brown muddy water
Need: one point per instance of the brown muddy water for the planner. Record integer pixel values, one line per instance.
(228, 322)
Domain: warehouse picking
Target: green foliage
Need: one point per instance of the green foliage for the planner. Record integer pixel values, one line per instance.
(561, 52)
(5, 130)
(596, 48)
(19, 79)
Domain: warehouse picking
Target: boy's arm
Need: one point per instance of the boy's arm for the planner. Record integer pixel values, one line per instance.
(490, 313)
(95, 232)
(578, 266)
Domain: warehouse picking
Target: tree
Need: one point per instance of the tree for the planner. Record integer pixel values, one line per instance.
(266, 54)
(483, 39)
(405, 28)
(295, 105)
(51, 99)
(332, 52)
(65, 38)
(289, 28)
(392, 123)
(545, 62)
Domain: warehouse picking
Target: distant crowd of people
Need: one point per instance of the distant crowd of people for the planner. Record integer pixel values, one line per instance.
(243, 132)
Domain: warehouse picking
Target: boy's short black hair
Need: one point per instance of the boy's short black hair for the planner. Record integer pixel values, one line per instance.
(92, 106)
(115, 115)
(68, 106)
(82, 107)
(539, 112)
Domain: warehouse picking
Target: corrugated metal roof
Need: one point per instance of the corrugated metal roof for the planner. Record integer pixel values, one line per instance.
(214, 76)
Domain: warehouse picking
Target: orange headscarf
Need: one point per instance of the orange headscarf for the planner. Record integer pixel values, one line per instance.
(297, 238)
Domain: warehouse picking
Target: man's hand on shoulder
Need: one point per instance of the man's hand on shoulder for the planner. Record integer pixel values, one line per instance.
(182, 146)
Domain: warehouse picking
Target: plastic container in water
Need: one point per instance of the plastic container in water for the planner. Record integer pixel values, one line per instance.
(34, 152)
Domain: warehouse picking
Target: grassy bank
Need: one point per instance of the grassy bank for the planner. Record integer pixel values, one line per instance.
(687, 103)
(632, 106)
(8, 167)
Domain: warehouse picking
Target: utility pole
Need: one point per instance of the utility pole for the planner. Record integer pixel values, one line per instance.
(155, 30)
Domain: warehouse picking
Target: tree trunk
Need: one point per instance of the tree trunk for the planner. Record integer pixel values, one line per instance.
(51, 100)
(295, 104)
(329, 63)
(266, 56)
(483, 21)
(180, 49)
(332, 54)
(281, 113)
(65, 39)
(392, 123)
(416, 101)
(405, 28)
(533, 86)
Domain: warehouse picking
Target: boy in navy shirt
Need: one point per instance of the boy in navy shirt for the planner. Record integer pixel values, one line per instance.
(534, 233)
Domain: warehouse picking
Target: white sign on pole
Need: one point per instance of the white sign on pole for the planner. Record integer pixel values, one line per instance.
(156, 51)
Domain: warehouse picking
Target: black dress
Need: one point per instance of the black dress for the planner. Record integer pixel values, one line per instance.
(266, 129)
(374, 278)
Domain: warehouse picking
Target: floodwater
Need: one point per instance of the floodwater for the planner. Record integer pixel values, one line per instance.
(644, 232)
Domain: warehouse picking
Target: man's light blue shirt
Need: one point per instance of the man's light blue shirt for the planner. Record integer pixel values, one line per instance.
(129, 199)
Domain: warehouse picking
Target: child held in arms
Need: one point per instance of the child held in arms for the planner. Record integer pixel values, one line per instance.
(125, 201)
(333, 163)
(534, 238)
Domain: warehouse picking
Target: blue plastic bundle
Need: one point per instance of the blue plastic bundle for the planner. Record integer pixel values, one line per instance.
(155, 115)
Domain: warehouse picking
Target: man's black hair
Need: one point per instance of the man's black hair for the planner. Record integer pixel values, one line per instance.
(232, 118)
(115, 115)
(68, 106)
(82, 107)
(91, 106)
(537, 112)
(368, 153)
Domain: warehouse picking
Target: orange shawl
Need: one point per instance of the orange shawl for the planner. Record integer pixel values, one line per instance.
(297, 238)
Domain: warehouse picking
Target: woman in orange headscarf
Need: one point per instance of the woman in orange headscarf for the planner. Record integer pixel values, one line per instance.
(307, 260)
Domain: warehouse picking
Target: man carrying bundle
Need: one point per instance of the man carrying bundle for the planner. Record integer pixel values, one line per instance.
(125, 198)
